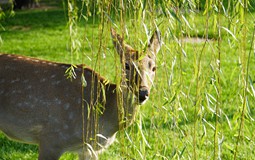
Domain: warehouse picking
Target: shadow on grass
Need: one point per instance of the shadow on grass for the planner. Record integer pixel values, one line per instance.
(35, 19)
(52, 18)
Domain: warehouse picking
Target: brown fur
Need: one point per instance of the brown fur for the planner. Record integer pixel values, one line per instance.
(39, 105)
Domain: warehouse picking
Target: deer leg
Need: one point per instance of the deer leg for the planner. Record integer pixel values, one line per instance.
(49, 152)
(87, 156)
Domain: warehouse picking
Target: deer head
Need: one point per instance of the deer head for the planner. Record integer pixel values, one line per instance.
(139, 67)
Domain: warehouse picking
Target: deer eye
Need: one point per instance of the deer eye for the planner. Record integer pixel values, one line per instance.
(127, 67)
(154, 69)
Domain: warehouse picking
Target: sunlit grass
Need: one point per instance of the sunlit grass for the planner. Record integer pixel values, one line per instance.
(167, 120)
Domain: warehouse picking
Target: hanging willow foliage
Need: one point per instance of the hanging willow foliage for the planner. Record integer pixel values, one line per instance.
(203, 98)
(183, 93)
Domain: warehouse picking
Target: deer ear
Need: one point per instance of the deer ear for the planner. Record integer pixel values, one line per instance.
(117, 41)
(154, 44)
(122, 48)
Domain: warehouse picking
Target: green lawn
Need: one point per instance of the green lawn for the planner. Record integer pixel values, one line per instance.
(178, 122)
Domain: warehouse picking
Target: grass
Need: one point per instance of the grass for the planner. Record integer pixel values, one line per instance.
(180, 114)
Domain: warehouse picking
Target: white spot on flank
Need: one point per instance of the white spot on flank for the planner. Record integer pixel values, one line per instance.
(58, 101)
(29, 87)
(71, 115)
(66, 106)
(66, 126)
(43, 80)
(16, 92)
(15, 80)
(55, 82)
(53, 76)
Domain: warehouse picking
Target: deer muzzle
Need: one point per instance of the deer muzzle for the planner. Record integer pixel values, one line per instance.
(143, 95)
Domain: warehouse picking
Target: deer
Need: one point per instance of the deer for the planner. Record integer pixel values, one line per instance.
(39, 105)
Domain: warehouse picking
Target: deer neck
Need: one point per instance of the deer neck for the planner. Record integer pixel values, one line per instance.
(128, 105)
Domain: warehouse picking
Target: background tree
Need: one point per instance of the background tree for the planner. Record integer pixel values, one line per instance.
(19, 4)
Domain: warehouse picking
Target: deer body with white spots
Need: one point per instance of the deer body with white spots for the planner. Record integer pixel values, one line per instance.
(39, 105)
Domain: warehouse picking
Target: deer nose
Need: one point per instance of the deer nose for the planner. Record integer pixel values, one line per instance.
(143, 95)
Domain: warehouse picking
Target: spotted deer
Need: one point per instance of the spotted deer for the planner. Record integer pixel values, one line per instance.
(39, 105)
